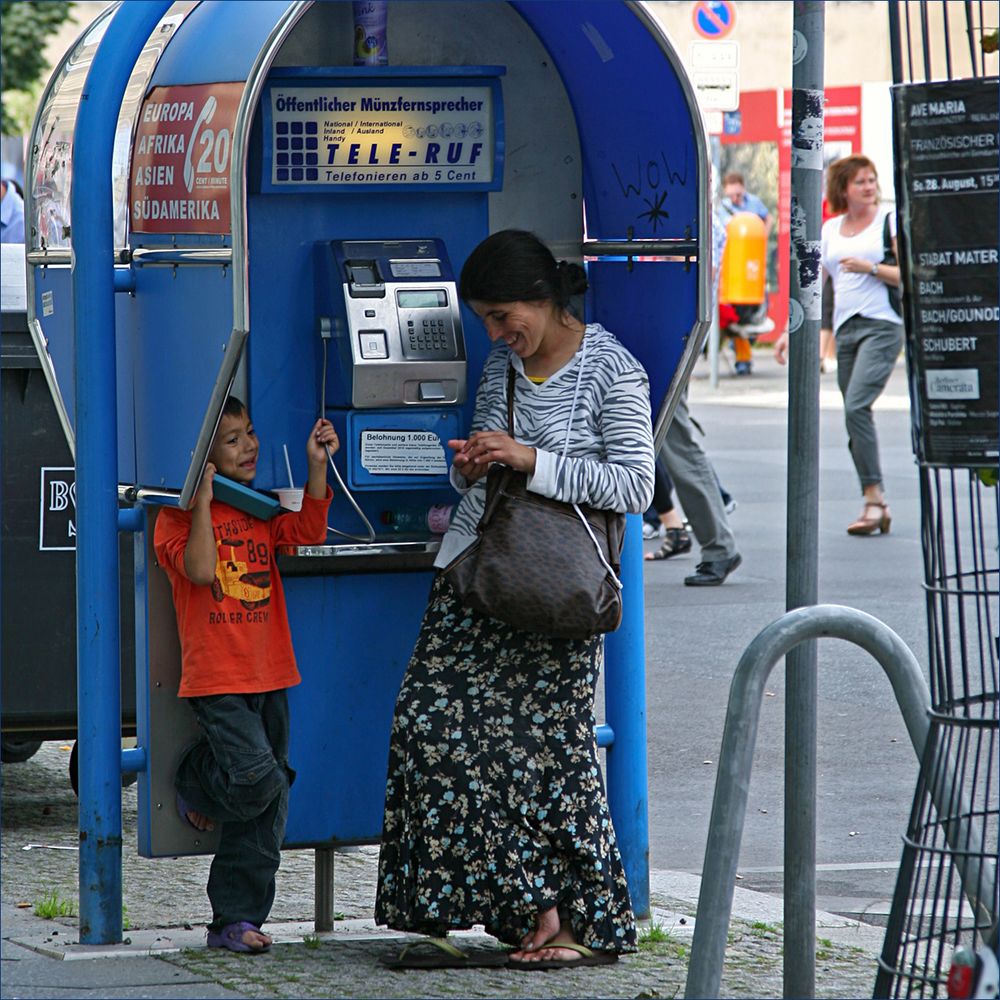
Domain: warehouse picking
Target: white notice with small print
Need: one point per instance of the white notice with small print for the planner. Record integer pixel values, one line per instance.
(402, 453)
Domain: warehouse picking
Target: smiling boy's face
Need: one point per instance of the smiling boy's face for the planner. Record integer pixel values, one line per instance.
(234, 451)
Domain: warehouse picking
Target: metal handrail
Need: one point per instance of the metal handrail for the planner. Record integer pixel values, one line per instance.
(746, 696)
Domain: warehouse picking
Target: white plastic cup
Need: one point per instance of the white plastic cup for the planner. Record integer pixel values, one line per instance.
(290, 497)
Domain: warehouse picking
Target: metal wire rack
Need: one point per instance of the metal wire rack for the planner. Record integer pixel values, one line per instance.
(947, 890)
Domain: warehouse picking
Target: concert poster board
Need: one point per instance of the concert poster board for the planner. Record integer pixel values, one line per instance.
(948, 162)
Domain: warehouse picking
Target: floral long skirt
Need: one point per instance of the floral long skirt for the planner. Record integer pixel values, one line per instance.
(495, 805)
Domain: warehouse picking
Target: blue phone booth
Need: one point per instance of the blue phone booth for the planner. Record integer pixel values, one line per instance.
(290, 226)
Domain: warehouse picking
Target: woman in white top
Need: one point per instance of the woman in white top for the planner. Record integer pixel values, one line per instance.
(868, 330)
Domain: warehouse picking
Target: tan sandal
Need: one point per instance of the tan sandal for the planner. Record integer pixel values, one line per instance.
(866, 525)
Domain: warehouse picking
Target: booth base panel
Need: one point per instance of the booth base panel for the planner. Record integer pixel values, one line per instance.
(353, 635)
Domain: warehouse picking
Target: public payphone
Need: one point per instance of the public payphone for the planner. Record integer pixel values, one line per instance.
(397, 331)
(393, 363)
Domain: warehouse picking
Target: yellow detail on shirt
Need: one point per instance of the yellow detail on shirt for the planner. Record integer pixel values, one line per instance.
(537, 379)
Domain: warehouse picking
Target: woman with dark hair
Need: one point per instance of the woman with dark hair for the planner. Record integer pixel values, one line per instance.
(868, 330)
(495, 809)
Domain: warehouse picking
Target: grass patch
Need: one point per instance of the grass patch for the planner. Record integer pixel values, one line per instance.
(52, 905)
(312, 941)
(657, 939)
(760, 928)
(824, 949)
(654, 933)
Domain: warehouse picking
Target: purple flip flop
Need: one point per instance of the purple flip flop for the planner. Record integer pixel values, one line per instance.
(231, 938)
(183, 808)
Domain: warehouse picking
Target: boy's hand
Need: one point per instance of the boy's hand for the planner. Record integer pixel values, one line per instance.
(321, 437)
(200, 553)
(203, 498)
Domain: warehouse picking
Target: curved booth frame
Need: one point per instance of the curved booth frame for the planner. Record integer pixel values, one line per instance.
(605, 174)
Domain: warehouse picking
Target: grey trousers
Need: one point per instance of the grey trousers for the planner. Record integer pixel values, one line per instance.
(867, 350)
(697, 488)
(238, 774)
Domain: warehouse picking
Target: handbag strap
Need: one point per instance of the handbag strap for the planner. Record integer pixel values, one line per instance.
(511, 378)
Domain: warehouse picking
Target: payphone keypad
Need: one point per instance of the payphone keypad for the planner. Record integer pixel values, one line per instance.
(429, 338)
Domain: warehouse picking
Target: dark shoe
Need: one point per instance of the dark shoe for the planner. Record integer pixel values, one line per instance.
(676, 541)
(713, 574)
(744, 368)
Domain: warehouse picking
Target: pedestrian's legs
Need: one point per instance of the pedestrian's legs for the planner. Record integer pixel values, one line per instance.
(239, 776)
(866, 355)
(662, 489)
(697, 488)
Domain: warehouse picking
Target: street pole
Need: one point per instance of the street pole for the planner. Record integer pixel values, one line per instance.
(802, 529)
(99, 711)
(713, 332)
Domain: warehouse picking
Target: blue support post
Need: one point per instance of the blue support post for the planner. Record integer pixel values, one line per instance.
(625, 708)
(98, 653)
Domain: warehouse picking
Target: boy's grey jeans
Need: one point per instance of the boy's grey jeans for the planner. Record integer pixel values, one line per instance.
(867, 350)
(238, 775)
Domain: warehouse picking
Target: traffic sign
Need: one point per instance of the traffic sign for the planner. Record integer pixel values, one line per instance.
(713, 19)
(715, 55)
(717, 89)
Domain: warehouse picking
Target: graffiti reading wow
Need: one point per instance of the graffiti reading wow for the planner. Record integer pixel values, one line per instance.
(649, 184)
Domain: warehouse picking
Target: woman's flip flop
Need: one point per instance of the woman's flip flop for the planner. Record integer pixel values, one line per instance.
(445, 956)
(588, 957)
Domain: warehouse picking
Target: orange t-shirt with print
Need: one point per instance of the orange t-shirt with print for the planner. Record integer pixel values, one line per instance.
(234, 632)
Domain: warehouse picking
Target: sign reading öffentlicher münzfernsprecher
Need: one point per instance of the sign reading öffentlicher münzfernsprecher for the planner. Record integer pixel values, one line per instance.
(381, 134)
(948, 148)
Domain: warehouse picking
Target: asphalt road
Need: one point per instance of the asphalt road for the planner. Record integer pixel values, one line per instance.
(695, 637)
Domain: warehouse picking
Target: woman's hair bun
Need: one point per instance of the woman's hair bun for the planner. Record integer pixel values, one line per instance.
(573, 278)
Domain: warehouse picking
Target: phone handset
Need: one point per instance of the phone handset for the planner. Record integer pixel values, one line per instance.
(325, 334)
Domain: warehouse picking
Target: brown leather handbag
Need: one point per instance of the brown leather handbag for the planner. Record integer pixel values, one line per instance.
(540, 564)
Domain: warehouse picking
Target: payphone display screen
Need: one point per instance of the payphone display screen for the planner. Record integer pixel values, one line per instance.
(423, 298)
(415, 268)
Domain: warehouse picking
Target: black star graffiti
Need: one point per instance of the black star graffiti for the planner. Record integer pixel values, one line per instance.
(656, 212)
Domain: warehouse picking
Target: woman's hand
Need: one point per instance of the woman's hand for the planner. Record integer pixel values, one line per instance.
(463, 462)
(781, 349)
(474, 456)
(856, 265)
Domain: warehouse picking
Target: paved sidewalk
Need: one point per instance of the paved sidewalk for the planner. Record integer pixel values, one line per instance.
(767, 387)
(41, 958)
(165, 954)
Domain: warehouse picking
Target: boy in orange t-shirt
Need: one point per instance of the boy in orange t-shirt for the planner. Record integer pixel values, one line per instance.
(236, 663)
